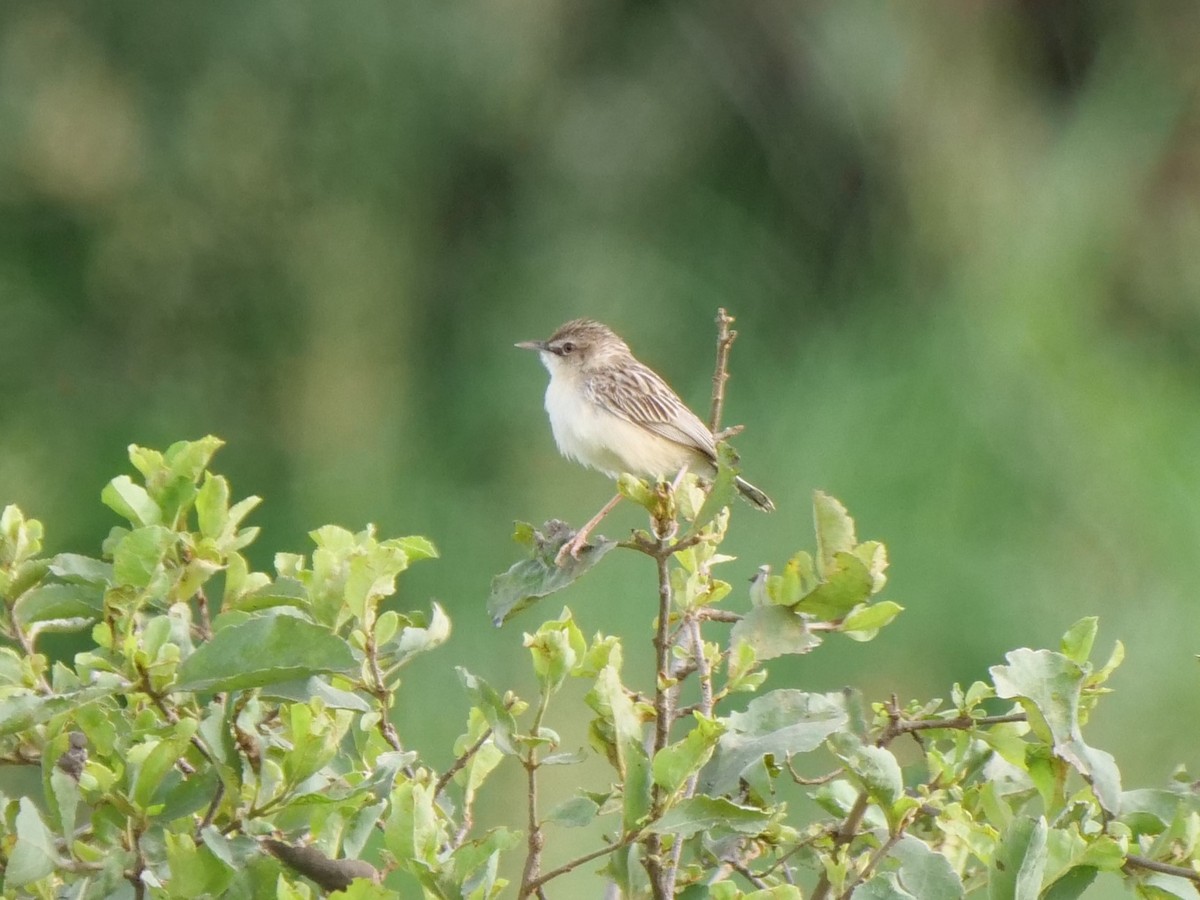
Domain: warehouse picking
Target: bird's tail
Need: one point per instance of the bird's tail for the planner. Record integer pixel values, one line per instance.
(753, 495)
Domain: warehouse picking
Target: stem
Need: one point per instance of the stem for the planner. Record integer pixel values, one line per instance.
(536, 839)
(725, 339)
(378, 688)
(662, 878)
(582, 860)
(1153, 865)
(457, 766)
(844, 835)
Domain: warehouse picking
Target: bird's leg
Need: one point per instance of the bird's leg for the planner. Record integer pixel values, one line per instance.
(575, 544)
(679, 478)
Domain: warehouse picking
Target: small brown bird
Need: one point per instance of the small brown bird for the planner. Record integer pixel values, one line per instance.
(615, 414)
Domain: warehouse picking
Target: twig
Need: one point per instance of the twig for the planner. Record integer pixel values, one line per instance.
(897, 726)
(378, 690)
(878, 856)
(748, 875)
(458, 764)
(535, 839)
(1153, 865)
(583, 860)
(844, 835)
(202, 611)
(661, 877)
(725, 339)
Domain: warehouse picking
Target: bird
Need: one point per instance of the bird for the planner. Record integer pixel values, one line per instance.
(615, 414)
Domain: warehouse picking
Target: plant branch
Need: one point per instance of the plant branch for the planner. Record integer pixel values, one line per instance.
(878, 856)
(661, 877)
(844, 835)
(583, 860)
(378, 689)
(725, 339)
(1153, 865)
(460, 761)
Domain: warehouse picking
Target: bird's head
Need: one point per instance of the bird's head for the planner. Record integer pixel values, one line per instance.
(578, 346)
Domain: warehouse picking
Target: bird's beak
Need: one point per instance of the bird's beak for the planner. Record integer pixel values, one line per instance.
(531, 345)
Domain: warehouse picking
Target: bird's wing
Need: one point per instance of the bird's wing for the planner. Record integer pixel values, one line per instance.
(636, 393)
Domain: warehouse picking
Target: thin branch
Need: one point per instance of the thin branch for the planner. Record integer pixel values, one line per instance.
(203, 614)
(897, 726)
(661, 877)
(1153, 865)
(535, 839)
(458, 764)
(378, 690)
(844, 835)
(583, 860)
(725, 339)
(878, 856)
(748, 875)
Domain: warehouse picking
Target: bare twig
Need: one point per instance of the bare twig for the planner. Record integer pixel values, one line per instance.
(535, 838)
(878, 856)
(846, 832)
(378, 689)
(583, 860)
(458, 764)
(203, 614)
(1153, 865)
(725, 339)
(661, 877)
(749, 876)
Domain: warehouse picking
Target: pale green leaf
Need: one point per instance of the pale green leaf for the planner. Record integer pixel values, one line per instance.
(264, 649)
(701, 813)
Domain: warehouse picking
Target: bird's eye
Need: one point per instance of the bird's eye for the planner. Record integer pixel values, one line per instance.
(567, 347)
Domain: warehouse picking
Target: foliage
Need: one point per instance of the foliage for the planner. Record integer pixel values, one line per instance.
(242, 746)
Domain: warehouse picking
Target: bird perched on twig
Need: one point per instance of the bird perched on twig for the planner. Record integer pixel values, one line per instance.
(615, 414)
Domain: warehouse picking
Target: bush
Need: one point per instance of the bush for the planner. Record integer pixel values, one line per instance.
(241, 745)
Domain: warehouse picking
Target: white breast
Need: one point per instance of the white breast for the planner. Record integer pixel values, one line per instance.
(604, 441)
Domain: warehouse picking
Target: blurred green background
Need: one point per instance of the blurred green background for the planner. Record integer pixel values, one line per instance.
(962, 243)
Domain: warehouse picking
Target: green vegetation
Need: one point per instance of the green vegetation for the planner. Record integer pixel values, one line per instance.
(229, 733)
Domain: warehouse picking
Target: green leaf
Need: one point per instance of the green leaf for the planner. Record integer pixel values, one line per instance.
(33, 857)
(883, 886)
(1156, 886)
(195, 870)
(1020, 861)
(20, 712)
(212, 505)
(924, 872)
(574, 813)
(773, 631)
(835, 531)
(131, 501)
(701, 813)
(48, 602)
(1071, 885)
(265, 649)
(864, 621)
(781, 723)
(720, 495)
(1048, 686)
(492, 706)
(414, 639)
(876, 768)
(675, 763)
(138, 556)
(848, 582)
(76, 569)
(1077, 642)
(303, 690)
(539, 576)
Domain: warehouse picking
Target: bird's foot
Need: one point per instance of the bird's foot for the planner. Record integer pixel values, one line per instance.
(571, 548)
